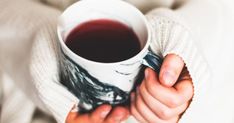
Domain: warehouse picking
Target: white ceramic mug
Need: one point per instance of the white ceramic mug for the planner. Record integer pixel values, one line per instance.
(96, 83)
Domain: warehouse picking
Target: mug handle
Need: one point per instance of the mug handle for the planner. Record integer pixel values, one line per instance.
(153, 61)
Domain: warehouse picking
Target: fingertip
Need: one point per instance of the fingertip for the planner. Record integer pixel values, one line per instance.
(185, 89)
(146, 73)
(167, 78)
(170, 70)
(161, 77)
(132, 96)
(71, 116)
(101, 112)
(106, 107)
(150, 74)
(105, 110)
(120, 113)
(127, 114)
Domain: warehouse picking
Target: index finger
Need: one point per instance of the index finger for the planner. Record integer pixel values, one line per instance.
(97, 116)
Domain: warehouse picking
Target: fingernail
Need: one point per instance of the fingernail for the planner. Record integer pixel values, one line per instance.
(132, 97)
(168, 77)
(146, 73)
(137, 90)
(105, 113)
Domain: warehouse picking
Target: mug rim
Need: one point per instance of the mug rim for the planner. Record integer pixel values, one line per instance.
(76, 57)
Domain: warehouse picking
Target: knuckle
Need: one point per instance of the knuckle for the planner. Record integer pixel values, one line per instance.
(141, 88)
(183, 108)
(138, 103)
(152, 121)
(135, 114)
(165, 114)
(174, 102)
(151, 89)
(133, 109)
(190, 90)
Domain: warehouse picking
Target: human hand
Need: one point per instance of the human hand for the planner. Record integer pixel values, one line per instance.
(163, 98)
(103, 114)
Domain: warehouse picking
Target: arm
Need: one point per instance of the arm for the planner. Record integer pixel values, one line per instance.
(146, 5)
(29, 42)
(204, 17)
(61, 4)
(24, 24)
(173, 36)
(206, 20)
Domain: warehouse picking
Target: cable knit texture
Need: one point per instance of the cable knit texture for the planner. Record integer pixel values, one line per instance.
(28, 47)
(44, 72)
(32, 61)
(172, 36)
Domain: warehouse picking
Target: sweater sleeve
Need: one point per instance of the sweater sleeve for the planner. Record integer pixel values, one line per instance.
(171, 35)
(211, 23)
(28, 54)
(60, 4)
(146, 5)
(43, 68)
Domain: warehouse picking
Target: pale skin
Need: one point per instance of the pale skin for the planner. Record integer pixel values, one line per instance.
(159, 99)
(163, 97)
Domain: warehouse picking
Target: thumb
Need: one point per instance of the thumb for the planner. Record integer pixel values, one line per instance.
(97, 116)
(170, 70)
(100, 113)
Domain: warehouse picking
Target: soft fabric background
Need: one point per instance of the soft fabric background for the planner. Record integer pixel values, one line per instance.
(28, 27)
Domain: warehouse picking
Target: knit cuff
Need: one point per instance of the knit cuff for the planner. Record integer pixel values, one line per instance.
(44, 71)
(62, 4)
(172, 36)
(56, 98)
(33, 25)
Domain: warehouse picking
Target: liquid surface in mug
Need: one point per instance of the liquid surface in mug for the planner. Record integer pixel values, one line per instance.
(104, 41)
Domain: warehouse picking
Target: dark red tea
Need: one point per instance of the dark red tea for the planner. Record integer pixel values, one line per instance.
(103, 41)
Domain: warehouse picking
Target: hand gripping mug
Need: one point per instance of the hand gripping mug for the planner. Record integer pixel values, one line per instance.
(95, 82)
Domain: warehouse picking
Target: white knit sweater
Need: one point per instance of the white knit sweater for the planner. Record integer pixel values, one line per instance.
(200, 31)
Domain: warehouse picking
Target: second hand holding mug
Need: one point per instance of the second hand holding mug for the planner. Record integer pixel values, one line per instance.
(96, 83)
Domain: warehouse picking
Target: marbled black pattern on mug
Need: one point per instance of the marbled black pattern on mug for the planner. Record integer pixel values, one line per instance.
(153, 61)
(89, 90)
